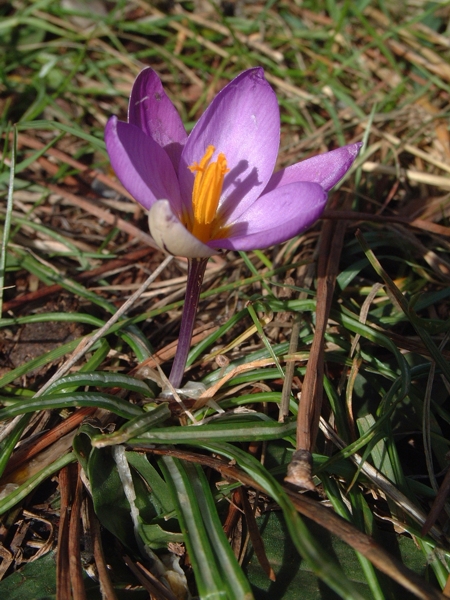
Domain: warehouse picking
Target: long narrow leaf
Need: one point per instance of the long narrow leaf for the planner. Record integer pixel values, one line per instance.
(235, 432)
(106, 401)
(321, 563)
(207, 572)
(236, 582)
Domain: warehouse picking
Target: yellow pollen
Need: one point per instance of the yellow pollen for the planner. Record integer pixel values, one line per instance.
(206, 193)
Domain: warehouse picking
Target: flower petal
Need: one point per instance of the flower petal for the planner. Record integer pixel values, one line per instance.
(171, 235)
(276, 217)
(141, 165)
(243, 122)
(326, 169)
(152, 111)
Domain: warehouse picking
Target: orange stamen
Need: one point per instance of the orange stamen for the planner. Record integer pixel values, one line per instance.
(206, 193)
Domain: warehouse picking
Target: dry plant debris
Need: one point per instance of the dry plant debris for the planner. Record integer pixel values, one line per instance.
(345, 328)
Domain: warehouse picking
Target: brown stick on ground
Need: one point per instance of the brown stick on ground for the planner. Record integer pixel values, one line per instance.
(438, 504)
(63, 588)
(106, 585)
(26, 453)
(299, 470)
(75, 568)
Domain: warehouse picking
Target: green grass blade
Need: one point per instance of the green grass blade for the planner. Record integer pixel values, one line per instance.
(7, 225)
(106, 401)
(321, 563)
(208, 576)
(238, 431)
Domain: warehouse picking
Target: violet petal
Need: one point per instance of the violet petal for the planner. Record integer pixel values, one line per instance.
(326, 169)
(152, 111)
(243, 122)
(276, 217)
(141, 165)
(171, 235)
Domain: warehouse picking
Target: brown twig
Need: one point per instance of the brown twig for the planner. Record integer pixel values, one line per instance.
(75, 568)
(299, 471)
(100, 562)
(157, 590)
(438, 504)
(24, 455)
(63, 589)
(255, 536)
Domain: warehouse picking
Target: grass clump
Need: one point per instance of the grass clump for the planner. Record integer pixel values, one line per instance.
(184, 495)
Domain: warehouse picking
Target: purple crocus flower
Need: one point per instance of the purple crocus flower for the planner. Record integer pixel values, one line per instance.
(215, 189)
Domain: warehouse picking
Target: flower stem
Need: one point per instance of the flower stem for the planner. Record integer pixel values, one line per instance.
(196, 271)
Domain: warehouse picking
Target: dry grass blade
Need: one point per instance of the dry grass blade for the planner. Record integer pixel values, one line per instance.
(105, 215)
(255, 536)
(63, 587)
(25, 454)
(415, 176)
(420, 224)
(212, 391)
(75, 568)
(342, 73)
(438, 504)
(366, 546)
(43, 292)
(155, 588)
(382, 483)
(99, 556)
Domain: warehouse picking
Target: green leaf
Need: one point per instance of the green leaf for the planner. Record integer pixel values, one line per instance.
(217, 573)
(293, 573)
(36, 581)
(101, 379)
(305, 542)
(158, 488)
(157, 537)
(136, 426)
(110, 503)
(106, 401)
(242, 430)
